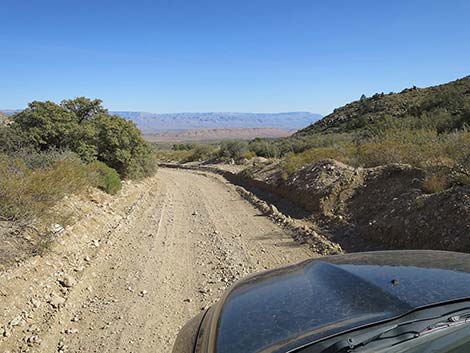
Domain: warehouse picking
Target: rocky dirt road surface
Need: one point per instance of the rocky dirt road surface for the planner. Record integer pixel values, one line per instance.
(126, 278)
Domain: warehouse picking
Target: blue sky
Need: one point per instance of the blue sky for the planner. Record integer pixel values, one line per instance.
(227, 55)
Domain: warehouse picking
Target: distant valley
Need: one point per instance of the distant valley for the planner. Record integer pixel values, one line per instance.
(214, 126)
(151, 123)
(215, 134)
(179, 127)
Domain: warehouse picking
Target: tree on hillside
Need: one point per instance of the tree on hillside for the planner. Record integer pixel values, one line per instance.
(46, 125)
(83, 126)
(120, 145)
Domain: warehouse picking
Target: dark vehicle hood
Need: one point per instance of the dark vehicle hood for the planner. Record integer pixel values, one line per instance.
(279, 310)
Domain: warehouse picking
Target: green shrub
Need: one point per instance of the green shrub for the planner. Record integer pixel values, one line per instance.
(46, 125)
(264, 148)
(299, 144)
(249, 155)
(120, 145)
(183, 147)
(185, 153)
(11, 140)
(82, 126)
(233, 149)
(200, 152)
(104, 177)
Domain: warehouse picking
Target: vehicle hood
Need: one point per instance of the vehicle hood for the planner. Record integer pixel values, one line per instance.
(323, 297)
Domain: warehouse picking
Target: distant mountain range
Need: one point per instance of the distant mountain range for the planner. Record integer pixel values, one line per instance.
(150, 122)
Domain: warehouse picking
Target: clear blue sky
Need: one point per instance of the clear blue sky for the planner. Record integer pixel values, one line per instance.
(227, 55)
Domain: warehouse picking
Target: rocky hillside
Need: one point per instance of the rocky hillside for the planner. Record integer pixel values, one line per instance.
(452, 97)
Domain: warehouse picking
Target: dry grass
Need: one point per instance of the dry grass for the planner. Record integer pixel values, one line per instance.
(26, 194)
(435, 183)
(294, 162)
(420, 148)
(173, 156)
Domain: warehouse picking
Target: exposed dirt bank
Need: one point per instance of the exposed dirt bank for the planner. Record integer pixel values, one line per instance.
(384, 205)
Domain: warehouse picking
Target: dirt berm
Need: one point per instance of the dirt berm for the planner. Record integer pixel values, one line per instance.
(382, 206)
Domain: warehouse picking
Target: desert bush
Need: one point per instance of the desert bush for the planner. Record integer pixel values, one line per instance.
(185, 153)
(232, 149)
(415, 147)
(420, 148)
(249, 155)
(201, 152)
(11, 140)
(26, 193)
(30, 187)
(423, 148)
(104, 177)
(264, 148)
(173, 155)
(457, 147)
(46, 125)
(120, 145)
(435, 183)
(294, 162)
(82, 126)
(183, 147)
(43, 159)
(462, 179)
(302, 143)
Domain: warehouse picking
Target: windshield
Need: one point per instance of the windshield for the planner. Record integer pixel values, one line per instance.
(456, 341)
(440, 329)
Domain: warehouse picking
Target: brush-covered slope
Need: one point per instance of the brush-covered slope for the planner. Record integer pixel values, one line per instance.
(451, 99)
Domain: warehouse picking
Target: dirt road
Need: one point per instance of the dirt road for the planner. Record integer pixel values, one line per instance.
(185, 237)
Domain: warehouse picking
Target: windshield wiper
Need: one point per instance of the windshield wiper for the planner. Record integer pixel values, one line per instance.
(402, 332)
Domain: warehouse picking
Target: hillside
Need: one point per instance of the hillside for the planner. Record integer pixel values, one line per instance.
(452, 98)
(150, 122)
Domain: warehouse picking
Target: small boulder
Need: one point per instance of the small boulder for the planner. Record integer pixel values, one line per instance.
(68, 281)
(56, 301)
